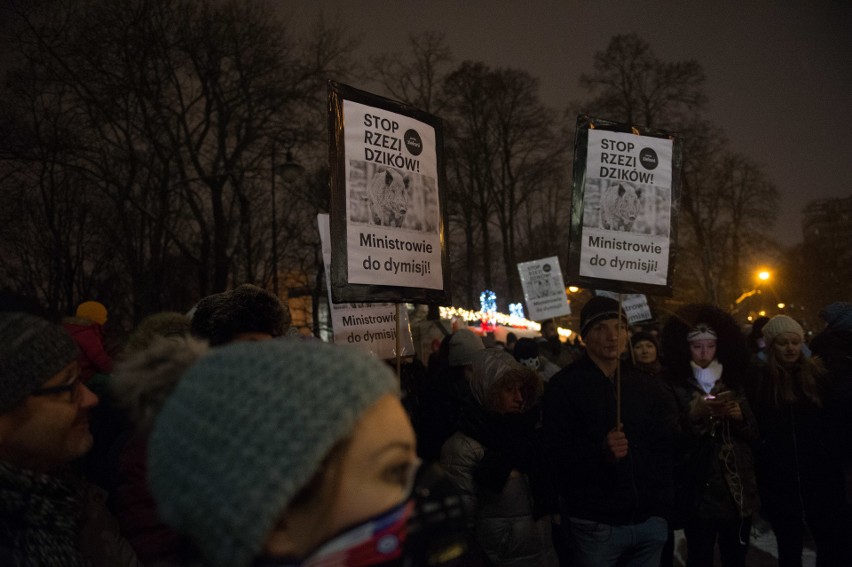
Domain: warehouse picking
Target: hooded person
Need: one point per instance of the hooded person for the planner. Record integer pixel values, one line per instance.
(48, 515)
(799, 469)
(86, 328)
(282, 453)
(614, 479)
(706, 365)
(495, 459)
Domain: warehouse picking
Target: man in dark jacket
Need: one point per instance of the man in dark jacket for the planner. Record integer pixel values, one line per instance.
(615, 480)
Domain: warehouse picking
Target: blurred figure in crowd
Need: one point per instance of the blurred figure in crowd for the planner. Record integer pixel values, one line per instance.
(86, 327)
(799, 462)
(446, 388)
(245, 313)
(496, 461)
(646, 353)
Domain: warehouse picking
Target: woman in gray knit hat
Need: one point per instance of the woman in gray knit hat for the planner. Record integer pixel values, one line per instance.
(284, 453)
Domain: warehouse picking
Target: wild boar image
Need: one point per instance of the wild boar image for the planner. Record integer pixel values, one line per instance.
(620, 206)
(388, 195)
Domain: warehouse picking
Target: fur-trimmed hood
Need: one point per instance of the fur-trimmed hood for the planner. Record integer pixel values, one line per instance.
(142, 383)
(731, 347)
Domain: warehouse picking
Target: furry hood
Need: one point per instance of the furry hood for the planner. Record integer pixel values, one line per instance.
(731, 347)
(142, 383)
(490, 366)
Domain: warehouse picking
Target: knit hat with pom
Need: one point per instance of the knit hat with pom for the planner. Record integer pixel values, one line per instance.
(246, 428)
(781, 324)
(92, 311)
(32, 351)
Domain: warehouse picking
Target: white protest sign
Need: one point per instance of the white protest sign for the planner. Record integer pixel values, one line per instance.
(634, 305)
(371, 326)
(393, 209)
(627, 210)
(544, 289)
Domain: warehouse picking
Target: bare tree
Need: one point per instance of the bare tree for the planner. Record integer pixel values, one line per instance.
(169, 111)
(631, 84)
(417, 77)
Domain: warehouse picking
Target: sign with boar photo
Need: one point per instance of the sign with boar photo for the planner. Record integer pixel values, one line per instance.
(624, 207)
(387, 217)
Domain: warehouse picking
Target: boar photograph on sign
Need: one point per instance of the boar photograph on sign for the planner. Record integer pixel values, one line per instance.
(544, 289)
(625, 201)
(387, 213)
(370, 326)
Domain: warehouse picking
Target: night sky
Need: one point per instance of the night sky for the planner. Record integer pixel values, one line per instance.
(778, 74)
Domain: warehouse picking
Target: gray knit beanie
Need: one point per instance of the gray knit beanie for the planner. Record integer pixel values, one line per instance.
(32, 351)
(781, 324)
(246, 428)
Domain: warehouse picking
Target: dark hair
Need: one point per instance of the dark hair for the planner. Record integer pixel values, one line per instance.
(221, 317)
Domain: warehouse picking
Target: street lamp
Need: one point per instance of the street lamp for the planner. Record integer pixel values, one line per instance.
(290, 172)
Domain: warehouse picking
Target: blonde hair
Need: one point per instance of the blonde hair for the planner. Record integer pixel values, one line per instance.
(779, 390)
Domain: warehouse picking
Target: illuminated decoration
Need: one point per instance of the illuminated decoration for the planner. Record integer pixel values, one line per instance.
(488, 308)
(469, 316)
(516, 310)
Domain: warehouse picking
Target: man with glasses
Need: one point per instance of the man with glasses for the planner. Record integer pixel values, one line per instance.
(47, 515)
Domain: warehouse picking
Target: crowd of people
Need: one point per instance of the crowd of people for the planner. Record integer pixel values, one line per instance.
(222, 437)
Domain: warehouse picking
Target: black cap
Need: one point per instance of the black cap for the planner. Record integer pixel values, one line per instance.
(598, 308)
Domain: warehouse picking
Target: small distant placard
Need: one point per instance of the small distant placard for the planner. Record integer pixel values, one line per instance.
(634, 305)
(544, 289)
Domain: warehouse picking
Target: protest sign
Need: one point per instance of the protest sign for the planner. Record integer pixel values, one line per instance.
(624, 207)
(387, 213)
(544, 289)
(371, 326)
(634, 305)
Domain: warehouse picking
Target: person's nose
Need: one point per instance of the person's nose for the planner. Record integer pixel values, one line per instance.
(88, 399)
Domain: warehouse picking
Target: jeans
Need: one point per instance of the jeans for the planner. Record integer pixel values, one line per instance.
(594, 544)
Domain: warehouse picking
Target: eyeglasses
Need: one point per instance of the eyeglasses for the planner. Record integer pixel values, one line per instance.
(71, 386)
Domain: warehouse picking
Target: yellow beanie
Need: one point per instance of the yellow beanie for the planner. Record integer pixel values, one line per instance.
(93, 311)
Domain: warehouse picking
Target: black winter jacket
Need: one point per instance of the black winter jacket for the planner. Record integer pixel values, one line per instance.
(579, 409)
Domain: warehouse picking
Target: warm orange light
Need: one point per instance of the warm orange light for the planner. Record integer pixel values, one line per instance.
(763, 275)
(763, 313)
(573, 289)
(781, 306)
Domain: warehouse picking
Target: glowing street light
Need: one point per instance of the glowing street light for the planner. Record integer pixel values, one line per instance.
(781, 306)
(763, 275)
(573, 289)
